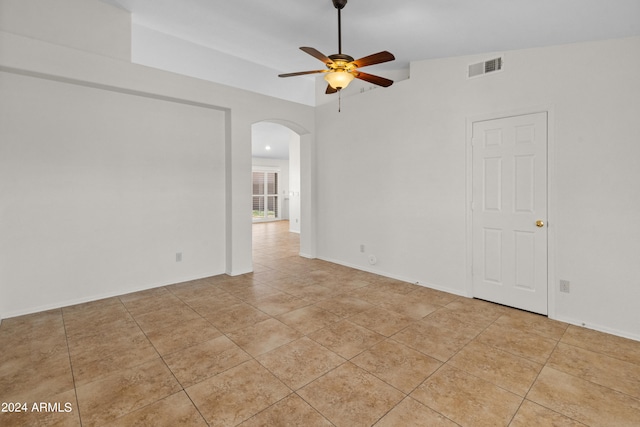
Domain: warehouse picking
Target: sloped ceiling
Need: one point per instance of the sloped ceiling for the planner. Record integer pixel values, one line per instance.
(256, 39)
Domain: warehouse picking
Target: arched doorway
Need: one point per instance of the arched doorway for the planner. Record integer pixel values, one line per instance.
(289, 194)
(275, 165)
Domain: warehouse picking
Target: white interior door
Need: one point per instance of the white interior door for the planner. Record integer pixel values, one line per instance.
(509, 211)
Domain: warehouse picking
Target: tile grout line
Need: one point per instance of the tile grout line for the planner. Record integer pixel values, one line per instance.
(73, 376)
(182, 388)
(338, 272)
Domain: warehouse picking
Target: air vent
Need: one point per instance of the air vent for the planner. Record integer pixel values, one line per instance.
(486, 67)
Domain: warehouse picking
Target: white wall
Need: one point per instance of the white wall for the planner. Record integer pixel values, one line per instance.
(85, 25)
(109, 168)
(294, 184)
(102, 189)
(392, 173)
(166, 52)
(391, 167)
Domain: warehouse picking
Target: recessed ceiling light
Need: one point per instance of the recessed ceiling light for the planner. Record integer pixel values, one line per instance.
(268, 147)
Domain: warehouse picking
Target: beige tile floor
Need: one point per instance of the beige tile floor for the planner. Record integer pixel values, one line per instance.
(308, 343)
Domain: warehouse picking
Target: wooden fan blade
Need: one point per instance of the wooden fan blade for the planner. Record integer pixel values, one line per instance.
(376, 80)
(302, 73)
(376, 58)
(330, 90)
(317, 54)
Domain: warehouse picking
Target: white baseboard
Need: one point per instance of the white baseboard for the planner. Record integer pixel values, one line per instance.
(75, 301)
(238, 273)
(303, 255)
(398, 277)
(596, 327)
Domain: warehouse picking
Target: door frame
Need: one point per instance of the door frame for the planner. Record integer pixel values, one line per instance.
(551, 196)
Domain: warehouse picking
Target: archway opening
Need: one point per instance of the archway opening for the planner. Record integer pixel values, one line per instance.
(275, 168)
(282, 181)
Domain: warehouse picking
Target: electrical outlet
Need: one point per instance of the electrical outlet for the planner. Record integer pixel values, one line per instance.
(565, 286)
(178, 256)
(362, 248)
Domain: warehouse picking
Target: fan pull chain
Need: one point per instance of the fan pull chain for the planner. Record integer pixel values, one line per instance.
(339, 100)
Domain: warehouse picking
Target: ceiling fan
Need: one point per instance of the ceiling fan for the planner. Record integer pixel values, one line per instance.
(341, 68)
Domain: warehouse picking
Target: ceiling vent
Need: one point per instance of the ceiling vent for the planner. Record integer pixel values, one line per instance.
(486, 67)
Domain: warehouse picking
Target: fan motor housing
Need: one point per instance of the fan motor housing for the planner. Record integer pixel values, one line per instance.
(341, 57)
(339, 4)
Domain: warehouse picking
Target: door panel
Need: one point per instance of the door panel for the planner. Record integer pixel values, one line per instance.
(509, 196)
(492, 195)
(525, 260)
(524, 183)
(493, 255)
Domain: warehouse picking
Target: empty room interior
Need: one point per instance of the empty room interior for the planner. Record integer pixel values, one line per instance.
(211, 216)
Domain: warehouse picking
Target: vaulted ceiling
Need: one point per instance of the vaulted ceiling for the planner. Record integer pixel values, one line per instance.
(247, 43)
(259, 39)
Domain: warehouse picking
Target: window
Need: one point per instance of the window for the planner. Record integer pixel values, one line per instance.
(265, 195)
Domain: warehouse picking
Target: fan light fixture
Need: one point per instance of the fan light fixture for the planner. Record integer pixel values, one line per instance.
(339, 79)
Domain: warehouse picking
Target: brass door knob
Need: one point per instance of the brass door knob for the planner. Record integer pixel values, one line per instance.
(539, 223)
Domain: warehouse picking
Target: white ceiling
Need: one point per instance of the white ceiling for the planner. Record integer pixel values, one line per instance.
(269, 32)
(272, 135)
(247, 43)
